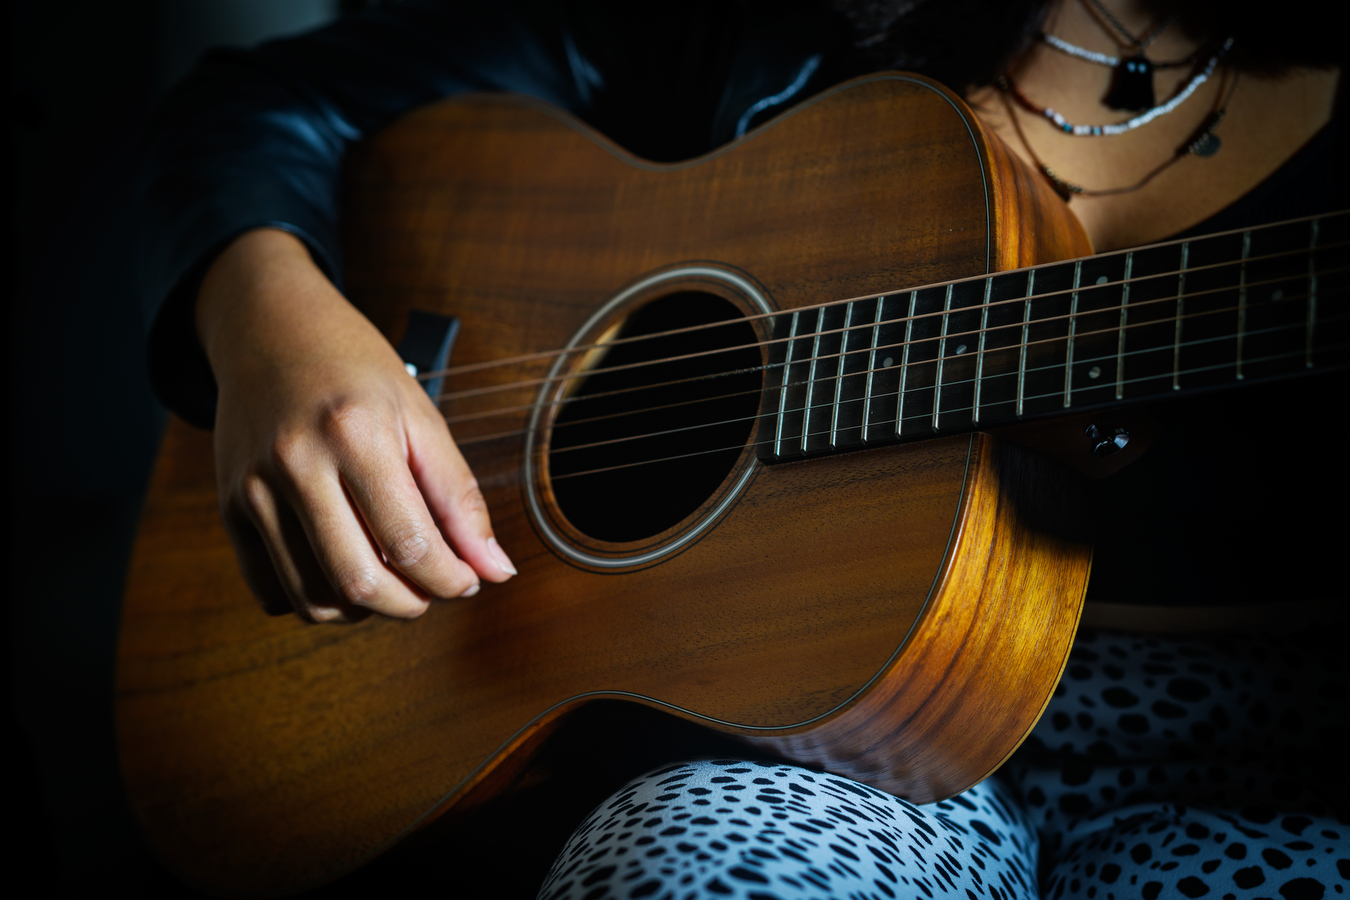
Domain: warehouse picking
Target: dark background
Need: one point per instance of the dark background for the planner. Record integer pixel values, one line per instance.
(81, 424)
(83, 427)
(82, 431)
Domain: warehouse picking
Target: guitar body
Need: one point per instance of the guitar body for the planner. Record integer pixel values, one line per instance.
(899, 615)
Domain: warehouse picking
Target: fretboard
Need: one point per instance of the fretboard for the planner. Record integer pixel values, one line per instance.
(1091, 333)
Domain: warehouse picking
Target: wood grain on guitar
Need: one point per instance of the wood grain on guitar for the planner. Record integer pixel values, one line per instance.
(899, 614)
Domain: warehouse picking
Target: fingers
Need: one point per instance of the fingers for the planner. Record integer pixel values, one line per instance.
(275, 557)
(348, 526)
(347, 555)
(376, 475)
(256, 564)
(345, 491)
(319, 563)
(452, 495)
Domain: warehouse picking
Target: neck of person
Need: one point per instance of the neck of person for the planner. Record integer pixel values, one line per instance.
(1265, 121)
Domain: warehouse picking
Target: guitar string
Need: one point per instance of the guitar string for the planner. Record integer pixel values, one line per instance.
(919, 417)
(898, 346)
(933, 361)
(552, 354)
(925, 391)
(583, 348)
(535, 382)
(1056, 367)
(868, 371)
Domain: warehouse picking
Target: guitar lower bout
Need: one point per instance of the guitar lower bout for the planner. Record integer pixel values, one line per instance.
(899, 614)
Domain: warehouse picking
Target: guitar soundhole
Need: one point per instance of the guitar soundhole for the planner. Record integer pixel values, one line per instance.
(654, 431)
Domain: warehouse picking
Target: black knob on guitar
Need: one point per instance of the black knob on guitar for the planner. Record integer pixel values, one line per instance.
(1104, 438)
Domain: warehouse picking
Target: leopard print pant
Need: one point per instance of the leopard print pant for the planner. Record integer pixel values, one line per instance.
(1161, 768)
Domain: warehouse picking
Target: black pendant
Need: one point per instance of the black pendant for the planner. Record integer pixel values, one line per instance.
(1132, 86)
(1207, 144)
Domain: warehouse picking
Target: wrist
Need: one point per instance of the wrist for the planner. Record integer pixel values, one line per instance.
(261, 290)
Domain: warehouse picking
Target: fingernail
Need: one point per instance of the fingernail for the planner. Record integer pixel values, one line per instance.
(472, 589)
(503, 561)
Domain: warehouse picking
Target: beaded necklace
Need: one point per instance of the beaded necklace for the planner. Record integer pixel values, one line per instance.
(1202, 142)
(1115, 128)
(1106, 59)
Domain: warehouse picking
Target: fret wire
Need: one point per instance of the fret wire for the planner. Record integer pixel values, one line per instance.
(1145, 378)
(553, 354)
(1188, 344)
(1110, 284)
(1026, 334)
(1137, 305)
(1193, 315)
(811, 378)
(1181, 309)
(1124, 312)
(1312, 293)
(1242, 298)
(1073, 326)
(942, 354)
(1197, 370)
(1141, 352)
(999, 375)
(1321, 247)
(839, 376)
(782, 393)
(1124, 282)
(979, 359)
(1104, 331)
(871, 367)
(1272, 358)
(904, 361)
(478, 366)
(1141, 379)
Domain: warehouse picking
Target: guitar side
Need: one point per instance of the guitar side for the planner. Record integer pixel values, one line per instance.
(899, 615)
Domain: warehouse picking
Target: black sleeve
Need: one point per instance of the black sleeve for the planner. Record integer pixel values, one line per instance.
(256, 138)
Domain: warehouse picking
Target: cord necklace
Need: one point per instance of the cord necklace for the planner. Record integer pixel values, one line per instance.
(1114, 128)
(1202, 142)
(1132, 84)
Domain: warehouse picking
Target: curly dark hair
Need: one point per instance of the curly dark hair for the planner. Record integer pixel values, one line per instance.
(936, 37)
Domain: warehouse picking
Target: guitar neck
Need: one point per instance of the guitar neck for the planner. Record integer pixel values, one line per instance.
(1095, 332)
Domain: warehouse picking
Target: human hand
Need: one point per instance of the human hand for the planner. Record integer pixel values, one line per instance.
(340, 486)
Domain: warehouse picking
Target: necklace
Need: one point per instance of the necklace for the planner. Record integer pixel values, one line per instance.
(1105, 59)
(1115, 128)
(1202, 142)
(1132, 85)
(1139, 44)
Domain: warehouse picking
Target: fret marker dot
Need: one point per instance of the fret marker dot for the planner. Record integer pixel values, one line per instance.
(886, 363)
(1277, 295)
(1102, 279)
(960, 348)
(1095, 372)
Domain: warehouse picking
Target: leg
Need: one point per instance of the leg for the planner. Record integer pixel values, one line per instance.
(735, 828)
(1169, 767)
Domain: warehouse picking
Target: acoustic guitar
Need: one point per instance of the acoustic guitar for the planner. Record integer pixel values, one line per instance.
(734, 420)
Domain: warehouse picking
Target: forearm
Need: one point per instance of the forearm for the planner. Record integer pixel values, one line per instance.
(256, 139)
